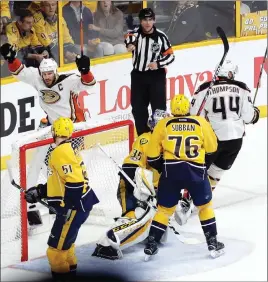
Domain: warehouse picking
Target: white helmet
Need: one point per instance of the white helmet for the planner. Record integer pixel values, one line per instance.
(226, 68)
(48, 65)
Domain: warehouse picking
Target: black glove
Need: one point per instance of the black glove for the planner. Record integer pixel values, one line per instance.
(83, 64)
(8, 52)
(33, 195)
(256, 115)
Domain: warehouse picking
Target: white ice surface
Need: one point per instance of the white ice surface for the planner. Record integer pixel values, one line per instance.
(241, 211)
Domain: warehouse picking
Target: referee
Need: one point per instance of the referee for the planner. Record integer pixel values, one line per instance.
(151, 53)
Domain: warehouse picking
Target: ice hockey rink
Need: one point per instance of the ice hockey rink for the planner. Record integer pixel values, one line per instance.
(240, 203)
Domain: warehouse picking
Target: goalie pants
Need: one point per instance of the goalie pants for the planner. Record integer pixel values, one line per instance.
(174, 178)
(147, 88)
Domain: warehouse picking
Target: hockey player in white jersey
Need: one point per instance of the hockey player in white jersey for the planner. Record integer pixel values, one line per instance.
(228, 108)
(58, 94)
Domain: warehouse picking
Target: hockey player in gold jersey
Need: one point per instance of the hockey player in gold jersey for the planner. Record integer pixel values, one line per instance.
(68, 191)
(138, 204)
(183, 140)
(137, 158)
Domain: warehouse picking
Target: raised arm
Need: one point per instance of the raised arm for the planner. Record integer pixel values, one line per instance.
(17, 69)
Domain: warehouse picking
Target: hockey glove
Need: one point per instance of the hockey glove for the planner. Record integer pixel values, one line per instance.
(35, 194)
(83, 64)
(8, 52)
(256, 115)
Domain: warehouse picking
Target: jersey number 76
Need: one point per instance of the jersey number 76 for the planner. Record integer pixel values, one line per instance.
(190, 150)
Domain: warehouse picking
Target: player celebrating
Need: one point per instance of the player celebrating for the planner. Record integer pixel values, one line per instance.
(184, 140)
(58, 94)
(228, 108)
(67, 190)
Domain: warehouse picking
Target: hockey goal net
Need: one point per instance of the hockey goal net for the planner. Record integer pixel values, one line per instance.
(29, 161)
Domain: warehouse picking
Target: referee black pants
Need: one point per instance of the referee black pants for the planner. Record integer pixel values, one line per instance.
(147, 88)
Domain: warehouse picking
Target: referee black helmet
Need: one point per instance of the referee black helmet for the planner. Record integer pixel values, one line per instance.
(146, 13)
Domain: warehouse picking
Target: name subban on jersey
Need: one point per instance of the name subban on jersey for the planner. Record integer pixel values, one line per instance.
(224, 88)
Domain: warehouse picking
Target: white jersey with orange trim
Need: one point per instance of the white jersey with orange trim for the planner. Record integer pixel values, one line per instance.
(61, 99)
(228, 107)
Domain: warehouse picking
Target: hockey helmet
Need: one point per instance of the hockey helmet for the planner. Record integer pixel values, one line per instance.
(156, 117)
(62, 127)
(180, 105)
(146, 13)
(228, 69)
(48, 65)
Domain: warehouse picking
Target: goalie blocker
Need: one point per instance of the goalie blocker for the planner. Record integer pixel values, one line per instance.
(126, 231)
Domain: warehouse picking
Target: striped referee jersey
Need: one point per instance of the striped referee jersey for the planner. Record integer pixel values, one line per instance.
(154, 47)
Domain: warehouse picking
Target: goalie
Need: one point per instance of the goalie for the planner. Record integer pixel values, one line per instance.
(137, 200)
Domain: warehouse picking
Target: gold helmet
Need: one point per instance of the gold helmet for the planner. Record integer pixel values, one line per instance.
(62, 127)
(180, 105)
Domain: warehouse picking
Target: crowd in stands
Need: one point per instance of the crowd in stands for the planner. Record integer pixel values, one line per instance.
(32, 26)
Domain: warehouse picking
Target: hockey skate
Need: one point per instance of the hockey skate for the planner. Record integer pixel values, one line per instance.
(215, 248)
(184, 209)
(151, 248)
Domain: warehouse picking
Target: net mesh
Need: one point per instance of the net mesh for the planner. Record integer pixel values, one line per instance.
(102, 173)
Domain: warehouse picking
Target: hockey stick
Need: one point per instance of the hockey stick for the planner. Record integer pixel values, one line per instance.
(259, 80)
(181, 238)
(81, 29)
(22, 190)
(225, 42)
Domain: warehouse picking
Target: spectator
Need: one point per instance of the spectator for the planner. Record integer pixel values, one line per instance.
(185, 24)
(3, 39)
(71, 14)
(5, 13)
(46, 26)
(109, 22)
(22, 34)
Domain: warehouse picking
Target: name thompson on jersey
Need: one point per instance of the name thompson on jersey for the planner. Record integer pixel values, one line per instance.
(58, 94)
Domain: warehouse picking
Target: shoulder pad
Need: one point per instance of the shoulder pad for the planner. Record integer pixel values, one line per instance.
(241, 85)
(202, 87)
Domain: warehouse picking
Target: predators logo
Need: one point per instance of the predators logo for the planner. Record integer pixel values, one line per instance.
(49, 96)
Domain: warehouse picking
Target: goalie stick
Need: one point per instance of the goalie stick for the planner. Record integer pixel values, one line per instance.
(181, 238)
(259, 80)
(22, 190)
(225, 42)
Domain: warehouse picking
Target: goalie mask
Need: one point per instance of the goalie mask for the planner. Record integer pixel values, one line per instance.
(228, 70)
(156, 117)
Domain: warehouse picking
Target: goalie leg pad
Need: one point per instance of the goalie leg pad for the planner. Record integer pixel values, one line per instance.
(109, 247)
(126, 232)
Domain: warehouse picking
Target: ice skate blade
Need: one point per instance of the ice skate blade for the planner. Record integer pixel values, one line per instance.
(215, 254)
(147, 257)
